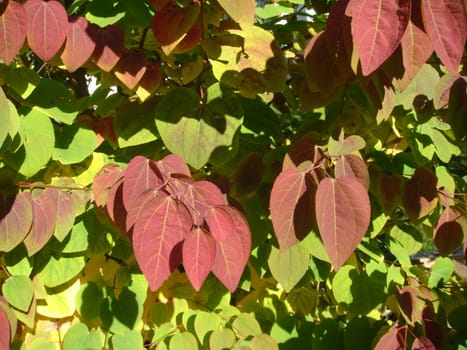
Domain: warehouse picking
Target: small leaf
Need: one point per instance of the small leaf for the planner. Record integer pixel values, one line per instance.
(206, 322)
(353, 166)
(78, 337)
(131, 68)
(345, 146)
(246, 325)
(343, 216)
(110, 43)
(199, 253)
(221, 339)
(79, 44)
(65, 211)
(449, 231)
(441, 272)
(13, 28)
(130, 339)
(420, 194)
(19, 292)
(47, 27)
(15, 220)
(183, 340)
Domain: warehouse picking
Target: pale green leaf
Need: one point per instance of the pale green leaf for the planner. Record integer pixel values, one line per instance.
(184, 340)
(221, 339)
(74, 144)
(441, 272)
(18, 291)
(60, 271)
(246, 325)
(263, 341)
(128, 340)
(78, 337)
(206, 322)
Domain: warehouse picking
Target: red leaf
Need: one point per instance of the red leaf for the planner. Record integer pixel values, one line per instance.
(47, 27)
(233, 252)
(131, 68)
(422, 343)
(140, 204)
(394, 339)
(377, 28)
(420, 194)
(159, 228)
(110, 43)
(64, 211)
(449, 231)
(190, 40)
(5, 333)
(343, 215)
(173, 164)
(300, 151)
(43, 223)
(152, 78)
(103, 181)
(79, 44)
(199, 252)
(290, 193)
(353, 166)
(115, 207)
(221, 224)
(139, 177)
(13, 30)
(15, 220)
(445, 23)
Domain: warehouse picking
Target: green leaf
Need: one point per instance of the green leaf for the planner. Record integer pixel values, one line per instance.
(246, 325)
(9, 119)
(273, 10)
(206, 322)
(441, 272)
(23, 81)
(78, 337)
(221, 339)
(59, 303)
(77, 240)
(89, 300)
(73, 144)
(104, 13)
(60, 271)
(19, 292)
(404, 241)
(184, 340)
(357, 334)
(263, 341)
(128, 340)
(289, 266)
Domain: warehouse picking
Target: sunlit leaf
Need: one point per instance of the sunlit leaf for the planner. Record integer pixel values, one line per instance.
(246, 325)
(13, 29)
(79, 44)
(183, 340)
(220, 223)
(442, 270)
(15, 220)
(241, 11)
(173, 164)
(8, 118)
(221, 339)
(74, 144)
(128, 340)
(110, 43)
(80, 338)
(18, 291)
(131, 67)
(103, 181)
(353, 166)
(5, 326)
(393, 339)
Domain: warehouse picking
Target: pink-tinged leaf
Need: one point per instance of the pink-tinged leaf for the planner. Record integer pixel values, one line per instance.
(377, 28)
(12, 31)
(79, 44)
(140, 204)
(302, 150)
(420, 194)
(449, 231)
(159, 228)
(173, 164)
(5, 333)
(346, 145)
(140, 176)
(43, 223)
(415, 43)
(103, 181)
(291, 206)
(115, 207)
(152, 78)
(353, 166)
(343, 215)
(110, 43)
(65, 211)
(47, 27)
(445, 23)
(15, 220)
(233, 252)
(131, 68)
(199, 252)
(394, 339)
(220, 223)
(422, 343)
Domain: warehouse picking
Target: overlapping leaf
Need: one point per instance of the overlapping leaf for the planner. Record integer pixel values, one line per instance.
(343, 215)
(15, 220)
(420, 194)
(103, 181)
(12, 31)
(110, 43)
(353, 166)
(173, 164)
(79, 44)
(221, 224)
(131, 67)
(47, 27)
(450, 229)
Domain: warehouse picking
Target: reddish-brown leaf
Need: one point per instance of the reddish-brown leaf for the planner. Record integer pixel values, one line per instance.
(47, 27)
(199, 252)
(43, 223)
(377, 28)
(394, 339)
(233, 252)
(301, 151)
(110, 43)
(103, 181)
(445, 23)
(13, 30)
(173, 164)
(220, 223)
(139, 177)
(353, 166)
(343, 215)
(422, 343)
(79, 44)
(152, 78)
(160, 226)
(5, 333)
(190, 40)
(131, 67)
(158, 4)
(115, 207)
(420, 194)
(390, 189)
(15, 220)
(65, 211)
(449, 231)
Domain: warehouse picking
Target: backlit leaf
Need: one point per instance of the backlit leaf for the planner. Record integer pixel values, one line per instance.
(246, 325)
(12, 31)
(263, 341)
(110, 43)
(173, 164)
(420, 194)
(345, 146)
(74, 144)
(241, 11)
(47, 27)
(79, 44)
(206, 322)
(15, 220)
(65, 211)
(449, 231)
(131, 67)
(445, 23)
(220, 223)
(158, 230)
(393, 339)
(221, 339)
(441, 272)
(59, 271)
(103, 181)
(9, 118)
(377, 28)
(343, 216)
(130, 339)
(18, 291)
(199, 252)
(353, 166)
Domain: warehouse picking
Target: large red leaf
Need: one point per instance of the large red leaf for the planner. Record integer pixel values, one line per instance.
(64, 211)
(394, 339)
(140, 176)
(159, 228)
(199, 252)
(220, 222)
(420, 194)
(79, 44)
(15, 220)
(422, 343)
(377, 28)
(131, 67)
(47, 27)
(110, 43)
(449, 231)
(343, 215)
(445, 23)
(140, 204)
(173, 164)
(5, 333)
(291, 211)
(233, 252)
(353, 166)
(43, 223)
(12, 31)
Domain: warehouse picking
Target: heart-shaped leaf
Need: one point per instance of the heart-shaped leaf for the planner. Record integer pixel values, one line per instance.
(13, 30)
